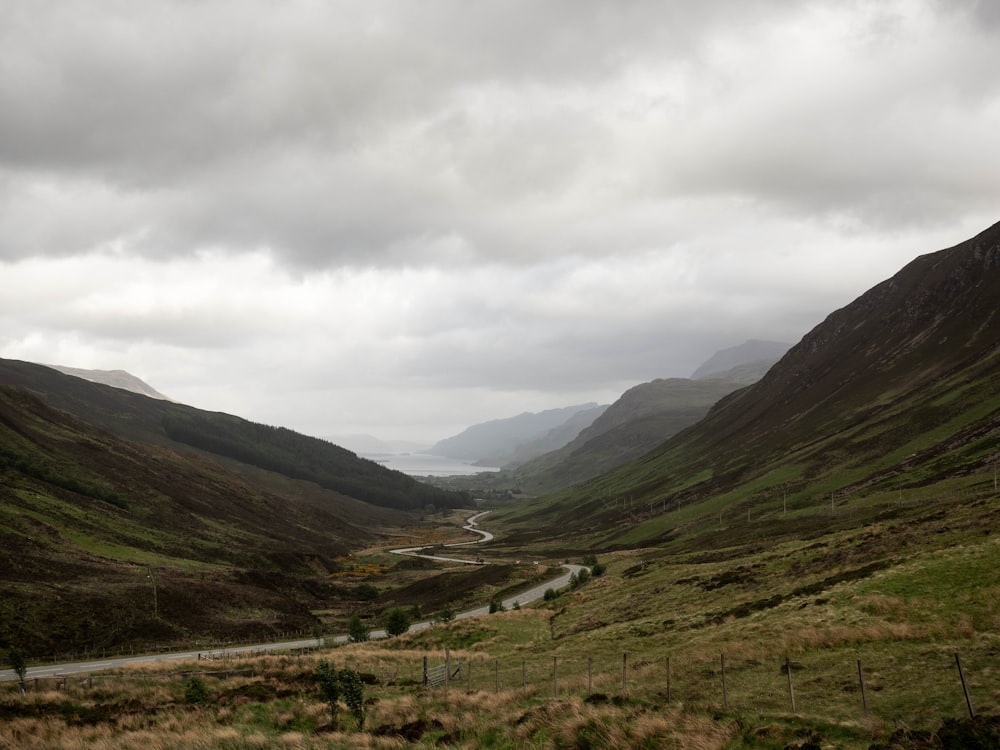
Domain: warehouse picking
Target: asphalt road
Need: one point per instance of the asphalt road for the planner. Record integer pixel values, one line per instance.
(100, 665)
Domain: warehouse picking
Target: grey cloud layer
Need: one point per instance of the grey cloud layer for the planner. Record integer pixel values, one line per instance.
(449, 207)
(445, 132)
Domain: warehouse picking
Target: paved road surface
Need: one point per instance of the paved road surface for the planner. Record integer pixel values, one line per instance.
(99, 665)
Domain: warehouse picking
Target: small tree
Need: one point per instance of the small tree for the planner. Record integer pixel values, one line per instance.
(550, 594)
(329, 686)
(447, 614)
(357, 631)
(19, 664)
(354, 695)
(598, 570)
(195, 690)
(397, 621)
(496, 605)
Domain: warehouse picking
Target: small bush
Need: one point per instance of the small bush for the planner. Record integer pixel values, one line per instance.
(195, 690)
(549, 595)
(366, 592)
(346, 684)
(579, 578)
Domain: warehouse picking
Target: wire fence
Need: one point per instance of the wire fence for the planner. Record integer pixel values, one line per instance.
(897, 688)
(925, 681)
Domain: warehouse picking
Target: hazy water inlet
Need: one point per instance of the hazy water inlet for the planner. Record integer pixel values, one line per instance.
(425, 465)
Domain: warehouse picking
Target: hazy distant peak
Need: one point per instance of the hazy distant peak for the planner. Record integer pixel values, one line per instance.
(752, 351)
(115, 378)
(499, 439)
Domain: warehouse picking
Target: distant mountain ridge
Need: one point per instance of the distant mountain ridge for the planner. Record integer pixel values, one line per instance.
(743, 358)
(115, 378)
(495, 443)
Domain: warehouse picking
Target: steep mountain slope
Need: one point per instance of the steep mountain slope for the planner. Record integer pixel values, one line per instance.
(642, 418)
(104, 541)
(156, 422)
(898, 390)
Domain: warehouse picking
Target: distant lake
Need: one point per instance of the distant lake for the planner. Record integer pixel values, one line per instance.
(424, 465)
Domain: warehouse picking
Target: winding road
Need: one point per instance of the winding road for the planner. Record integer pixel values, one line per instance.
(100, 665)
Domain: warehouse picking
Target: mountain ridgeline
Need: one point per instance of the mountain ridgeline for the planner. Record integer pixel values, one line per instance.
(158, 422)
(898, 391)
(298, 456)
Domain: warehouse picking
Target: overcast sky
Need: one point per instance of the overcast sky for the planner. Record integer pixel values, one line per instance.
(403, 218)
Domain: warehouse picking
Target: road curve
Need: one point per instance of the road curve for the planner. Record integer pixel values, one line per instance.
(100, 665)
(470, 525)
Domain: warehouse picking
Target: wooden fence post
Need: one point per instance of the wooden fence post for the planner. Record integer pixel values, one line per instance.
(425, 671)
(555, 683)
(791, 687)
(447, 667)
(725, 696)
(864, 696)
(668, 679)
(965, 688)
(624, 673)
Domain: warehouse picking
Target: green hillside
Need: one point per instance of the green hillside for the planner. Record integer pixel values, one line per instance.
(889, 398)
(89, 521)
(279, 450)
(642, 418)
